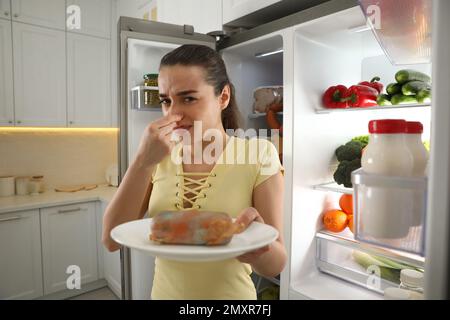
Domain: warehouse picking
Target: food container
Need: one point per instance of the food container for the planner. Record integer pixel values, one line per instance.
(362, 264)
(151, 96)
(22, 185)
(36, 185)
(265, 96)
(145, 98)
(151, 80)
(404, 227)
(7, 186)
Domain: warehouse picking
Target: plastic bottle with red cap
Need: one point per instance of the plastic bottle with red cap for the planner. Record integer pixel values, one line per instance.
(386, 211)
(387, 152)
(413, 139)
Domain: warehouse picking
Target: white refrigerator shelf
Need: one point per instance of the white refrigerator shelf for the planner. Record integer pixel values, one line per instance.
(422, 105)
(261, 115)
(333, 187)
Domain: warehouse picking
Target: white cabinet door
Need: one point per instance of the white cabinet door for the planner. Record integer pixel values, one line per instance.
(39, 76)
(5, 9)
(45, 13)
(204, 15)
(111, 262)
(20, 262)
(234, 9)
(68, 239)
(95, 17)
(6, 75)
(88, 81)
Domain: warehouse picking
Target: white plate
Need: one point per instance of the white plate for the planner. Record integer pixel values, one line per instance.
(135, 235)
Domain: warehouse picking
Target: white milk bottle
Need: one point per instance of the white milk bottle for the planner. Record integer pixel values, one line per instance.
(386, 212)
(413, 139)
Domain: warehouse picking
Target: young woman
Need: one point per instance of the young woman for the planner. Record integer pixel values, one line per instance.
(194, 89)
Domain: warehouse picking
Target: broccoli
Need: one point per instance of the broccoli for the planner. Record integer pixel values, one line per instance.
(350, 151)
(363, 139)
(342, 175)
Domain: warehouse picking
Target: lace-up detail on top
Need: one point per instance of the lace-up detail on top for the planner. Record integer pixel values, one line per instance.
(191, 189)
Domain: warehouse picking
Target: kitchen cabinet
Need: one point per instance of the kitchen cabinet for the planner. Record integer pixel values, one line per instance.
(5, 9)
(95, 17)
(44, 13)
(235, 9)
(6, 75)
(39, 76)
(204, 15)
(88, 81)
(68, 239)
(20, 263)
(111, 260)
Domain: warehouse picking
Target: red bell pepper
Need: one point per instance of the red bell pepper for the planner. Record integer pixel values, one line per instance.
(334, 97)
(361, 96)
(374, 83)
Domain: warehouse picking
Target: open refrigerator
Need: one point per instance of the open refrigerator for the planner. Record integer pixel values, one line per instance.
(306, 53)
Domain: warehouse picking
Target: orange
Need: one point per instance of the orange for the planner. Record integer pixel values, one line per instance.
(335, 220)
(346, 203)
(350, 223)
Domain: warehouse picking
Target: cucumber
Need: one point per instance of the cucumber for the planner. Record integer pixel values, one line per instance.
(413, 87)
(406, 75)
(402, 99)
(424, 96)
(383, 100)
(393, 88)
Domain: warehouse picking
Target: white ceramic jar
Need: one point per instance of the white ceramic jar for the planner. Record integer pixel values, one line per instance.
(7, 186)
(22, 185)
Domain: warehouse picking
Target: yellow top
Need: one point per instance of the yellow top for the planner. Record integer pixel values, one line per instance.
(244, 164)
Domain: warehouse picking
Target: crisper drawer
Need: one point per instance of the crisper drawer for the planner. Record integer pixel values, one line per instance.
(365, 265)
(390, 211)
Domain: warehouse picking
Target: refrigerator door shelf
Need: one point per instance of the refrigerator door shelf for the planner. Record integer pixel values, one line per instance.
(389, 211)
(145, 98)
(402, 27)
(361, 264)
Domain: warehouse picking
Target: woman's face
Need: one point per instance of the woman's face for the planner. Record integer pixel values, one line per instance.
(184, 91)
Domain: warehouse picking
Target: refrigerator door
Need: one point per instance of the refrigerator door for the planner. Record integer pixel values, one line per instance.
(402, 27)
(438, 218)
(142, 44)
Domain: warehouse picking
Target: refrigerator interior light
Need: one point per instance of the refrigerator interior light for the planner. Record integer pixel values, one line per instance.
(268, 53)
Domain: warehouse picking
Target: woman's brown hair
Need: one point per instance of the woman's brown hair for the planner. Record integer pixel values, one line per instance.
(216, 75)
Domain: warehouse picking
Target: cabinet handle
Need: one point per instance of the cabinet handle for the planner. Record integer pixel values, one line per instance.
(69, 210)
(6, 13)
(10, 219)
(18, 121)
(70, 122)
(16, 15)
(10, 121)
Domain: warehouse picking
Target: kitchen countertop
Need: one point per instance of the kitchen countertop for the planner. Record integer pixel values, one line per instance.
(52, 198)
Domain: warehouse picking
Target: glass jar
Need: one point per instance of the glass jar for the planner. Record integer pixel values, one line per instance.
(151, 79)
(151, 96)
(36, 185)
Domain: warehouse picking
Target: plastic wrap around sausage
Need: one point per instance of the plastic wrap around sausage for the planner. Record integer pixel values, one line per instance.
(193, 228)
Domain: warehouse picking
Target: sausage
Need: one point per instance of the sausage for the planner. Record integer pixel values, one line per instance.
(193, 228)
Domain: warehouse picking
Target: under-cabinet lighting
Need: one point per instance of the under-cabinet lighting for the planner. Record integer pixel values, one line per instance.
(62, 130)
(268, 53)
